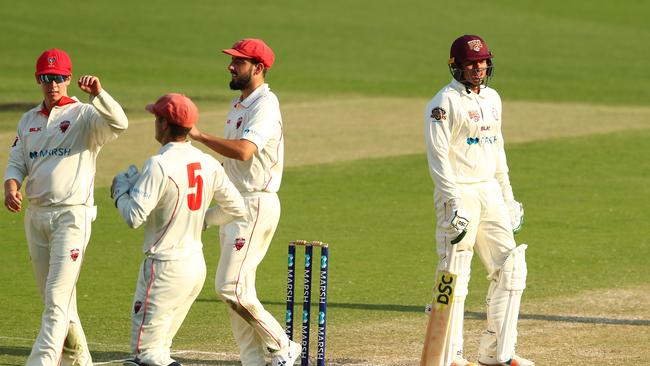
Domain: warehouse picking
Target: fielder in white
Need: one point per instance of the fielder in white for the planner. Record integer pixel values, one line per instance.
(253, 150)
(171, 197)
(56, 146)
(475, 207)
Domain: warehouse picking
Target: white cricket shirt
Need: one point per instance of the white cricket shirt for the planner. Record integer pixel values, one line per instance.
(464, 142)
(258, 120)
(58, 151)
(171, 197)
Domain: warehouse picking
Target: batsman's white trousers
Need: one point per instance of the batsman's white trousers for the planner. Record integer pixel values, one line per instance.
(57, 238)
(244, 244)
(489, 234)
(164, 294)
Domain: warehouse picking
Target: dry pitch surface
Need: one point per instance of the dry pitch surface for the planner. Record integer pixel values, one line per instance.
(595, 328)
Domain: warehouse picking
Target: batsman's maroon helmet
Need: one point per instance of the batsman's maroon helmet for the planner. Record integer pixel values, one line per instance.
(469, 48)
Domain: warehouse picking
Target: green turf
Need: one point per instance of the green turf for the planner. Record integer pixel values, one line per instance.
(544, 51)
(585, 210)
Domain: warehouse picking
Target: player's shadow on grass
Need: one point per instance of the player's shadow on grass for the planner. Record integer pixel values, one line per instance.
(108, 356)
(15, 351)
(481, 315)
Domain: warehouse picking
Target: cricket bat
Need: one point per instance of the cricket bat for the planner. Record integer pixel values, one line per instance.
(437, 334)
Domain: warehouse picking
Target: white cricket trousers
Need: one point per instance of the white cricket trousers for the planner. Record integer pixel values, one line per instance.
(164, 294)
(57, 238)
(489, 234)
(244, 244)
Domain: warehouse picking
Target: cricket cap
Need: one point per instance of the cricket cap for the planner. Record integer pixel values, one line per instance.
(175, 108)
(54, 61)
(252, 48)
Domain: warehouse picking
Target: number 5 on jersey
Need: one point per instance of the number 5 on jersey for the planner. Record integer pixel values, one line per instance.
(194, 180)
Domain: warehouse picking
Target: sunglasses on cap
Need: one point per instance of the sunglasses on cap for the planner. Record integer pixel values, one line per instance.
(48, 78)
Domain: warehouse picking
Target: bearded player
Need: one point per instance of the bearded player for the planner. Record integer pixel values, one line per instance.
(475, 207)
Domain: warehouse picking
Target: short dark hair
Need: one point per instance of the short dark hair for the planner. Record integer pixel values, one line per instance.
(176, 131)
(255, 62)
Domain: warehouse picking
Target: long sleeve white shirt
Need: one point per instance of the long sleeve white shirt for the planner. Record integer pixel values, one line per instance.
(464, 142)
(171, 197)
(58, 151)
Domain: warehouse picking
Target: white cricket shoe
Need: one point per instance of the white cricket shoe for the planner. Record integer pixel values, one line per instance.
(287, 356)
(459, 361)
(514, 361)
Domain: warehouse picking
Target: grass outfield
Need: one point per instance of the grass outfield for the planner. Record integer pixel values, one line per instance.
(587, 275)
(545, 51)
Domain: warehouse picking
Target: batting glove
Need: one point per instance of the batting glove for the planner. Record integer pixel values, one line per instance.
(516, 210)
(456, 226)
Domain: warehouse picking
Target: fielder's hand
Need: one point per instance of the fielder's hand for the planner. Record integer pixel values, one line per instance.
(516, 215)
(123, 182)
(13, 200)
(90, 84)
(456, 226)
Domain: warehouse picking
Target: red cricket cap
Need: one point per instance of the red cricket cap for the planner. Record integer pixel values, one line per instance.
(252, 48)
(175, 108)
(54, 61)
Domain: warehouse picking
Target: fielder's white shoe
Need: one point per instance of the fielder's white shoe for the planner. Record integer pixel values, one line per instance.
(288, 355)
(514, 361)
(462, 362)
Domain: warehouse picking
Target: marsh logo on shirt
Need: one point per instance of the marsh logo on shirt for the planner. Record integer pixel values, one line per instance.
(60, 151)
(63, 126)
(438, 114)
(74, 254)
(483, 140)
(34, 129)
(239, 243)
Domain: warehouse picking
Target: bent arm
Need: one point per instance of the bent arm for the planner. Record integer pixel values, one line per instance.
(230, 203)
(233, 149)
(135, 206)
(110, 111)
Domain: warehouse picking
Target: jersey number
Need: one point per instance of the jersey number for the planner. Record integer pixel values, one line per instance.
(195, 181)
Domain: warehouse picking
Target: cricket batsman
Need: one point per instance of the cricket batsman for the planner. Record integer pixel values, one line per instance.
(475, 207)
(56, 146)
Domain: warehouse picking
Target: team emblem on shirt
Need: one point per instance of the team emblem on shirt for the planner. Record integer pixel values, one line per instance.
(475, 45)
(239, 243)
(63, 126)
(438, 114)
(239, 122)
(474, 116)
(74, 254)
(137, 306)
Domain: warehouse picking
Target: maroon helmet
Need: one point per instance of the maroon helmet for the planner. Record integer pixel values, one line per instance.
(469, 48)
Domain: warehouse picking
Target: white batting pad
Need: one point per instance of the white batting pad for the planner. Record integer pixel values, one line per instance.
(504, 298)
